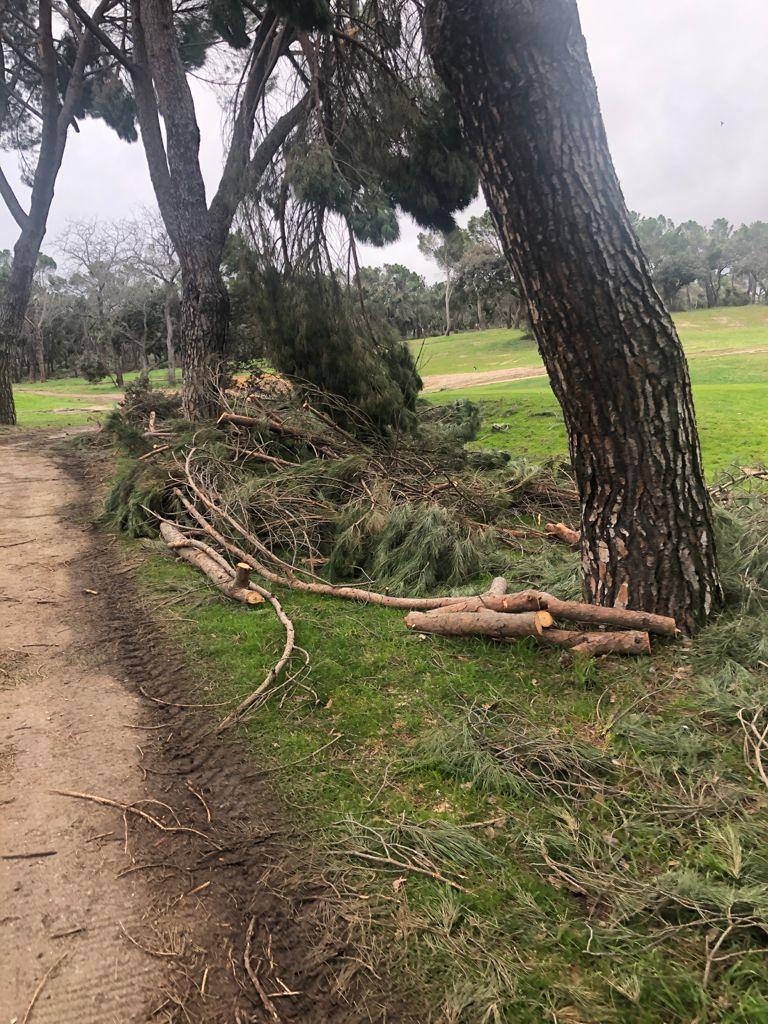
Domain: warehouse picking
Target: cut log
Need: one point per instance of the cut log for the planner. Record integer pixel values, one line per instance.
(594, 644)
(528, 601)
(482, 623)
(571, 611)
(559, 531)
(242, 576)
(498, 587)
(186, 549)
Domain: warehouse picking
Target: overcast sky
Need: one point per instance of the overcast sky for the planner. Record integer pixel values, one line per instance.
(684, 91)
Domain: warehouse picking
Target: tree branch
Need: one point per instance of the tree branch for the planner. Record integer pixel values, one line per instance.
(99, 33)
(225, 203)
(14, 206)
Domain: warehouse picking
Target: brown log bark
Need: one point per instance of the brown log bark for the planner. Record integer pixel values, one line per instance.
(559, 531)
(571, 611)
(520, 74)
(595, 644)
(185, 549)
(481, 623)
(498, 587)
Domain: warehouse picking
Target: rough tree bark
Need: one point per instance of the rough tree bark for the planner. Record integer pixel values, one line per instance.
(520, 74)
(198, 230)
(57, 115)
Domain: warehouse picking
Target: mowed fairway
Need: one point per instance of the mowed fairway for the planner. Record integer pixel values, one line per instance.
(70, 401)
(728, 355)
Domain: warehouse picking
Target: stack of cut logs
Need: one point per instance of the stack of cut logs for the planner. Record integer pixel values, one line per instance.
(504, 616)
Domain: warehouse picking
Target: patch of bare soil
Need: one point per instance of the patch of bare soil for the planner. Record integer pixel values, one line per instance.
(183, 895)
(451, 381)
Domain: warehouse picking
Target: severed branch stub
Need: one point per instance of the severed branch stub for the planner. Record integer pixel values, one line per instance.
(559, 531)
(187, 549)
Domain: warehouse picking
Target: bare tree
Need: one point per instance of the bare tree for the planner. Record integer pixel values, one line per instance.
(100, 251)
(520, 74)
(151, 250)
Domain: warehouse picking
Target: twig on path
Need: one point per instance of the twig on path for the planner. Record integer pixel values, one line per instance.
(160, 953)
(269, 1006)
(170, 704)
(28, 856)
(40, 987)
(18, 543)
(199, 796)
(131, 809)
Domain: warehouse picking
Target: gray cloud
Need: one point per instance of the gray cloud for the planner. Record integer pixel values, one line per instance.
(668, 74)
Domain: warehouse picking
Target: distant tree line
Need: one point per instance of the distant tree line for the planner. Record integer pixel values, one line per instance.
(110, 303)
(695, 266)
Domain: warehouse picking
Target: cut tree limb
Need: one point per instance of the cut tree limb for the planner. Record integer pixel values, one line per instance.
(215, 567)
(559, 531)
(498, 587)
(595, 644)
(571, 611)
(201, 559)
(349, 593)
(481, 623)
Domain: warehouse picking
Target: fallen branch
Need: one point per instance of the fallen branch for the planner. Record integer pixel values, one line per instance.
(498, 625)
(595, 644)
(196, 554)
(402, 865)
(41, 985)
(269, 1006)
(559, 531)
(571, 611)
(136, 811)
(240, 588)
(348, 593)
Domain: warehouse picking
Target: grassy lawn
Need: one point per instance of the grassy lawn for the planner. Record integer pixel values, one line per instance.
(730, 391)
(575, 808)
(68, 403)
(600, 840)
(702, 331)
(51, 411)
(476, 351)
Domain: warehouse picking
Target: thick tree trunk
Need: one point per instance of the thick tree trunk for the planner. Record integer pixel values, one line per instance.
(448, 290)
(520, 74)
(480, 313)
(204, 331)
(13, 308)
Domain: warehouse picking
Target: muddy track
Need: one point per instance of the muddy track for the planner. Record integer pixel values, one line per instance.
(133, 921)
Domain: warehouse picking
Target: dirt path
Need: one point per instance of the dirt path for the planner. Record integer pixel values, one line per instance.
(80, 395)
(451, 381)
(118, 920)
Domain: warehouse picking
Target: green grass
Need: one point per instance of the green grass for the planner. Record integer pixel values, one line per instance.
(701, 331)
(730, 392)
(79, 385)
(38, 411)
(521, 945)
(476, 351)
(599, 815)
(69, 404)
